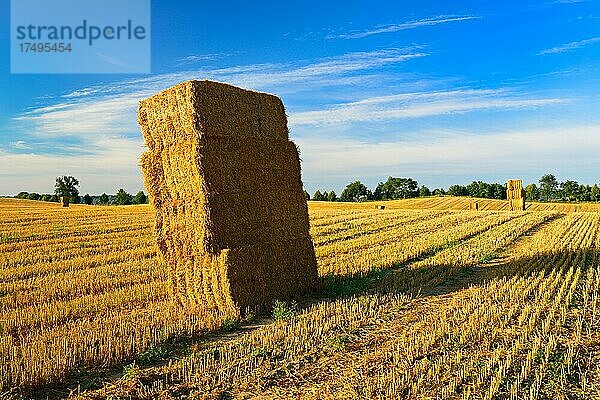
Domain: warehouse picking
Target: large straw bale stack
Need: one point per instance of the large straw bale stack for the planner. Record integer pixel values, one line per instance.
(515, 194)
(224, 179)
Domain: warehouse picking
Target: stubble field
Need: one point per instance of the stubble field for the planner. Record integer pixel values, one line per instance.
(424, 299)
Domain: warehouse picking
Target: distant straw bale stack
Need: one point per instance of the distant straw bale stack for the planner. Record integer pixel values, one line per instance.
(65, 200)
(474, 206)
(224, 179)
(515, 194)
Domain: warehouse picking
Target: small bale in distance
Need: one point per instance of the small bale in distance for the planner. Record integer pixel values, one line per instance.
(65, 200)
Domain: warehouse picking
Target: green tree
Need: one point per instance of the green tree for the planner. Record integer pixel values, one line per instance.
(396, 188)
(331, 196)
(585, 193)
(140, 198)
(424, 191)
(479, 189)
(439, 192)
(46, 197)
(548, 187)
(595, 193)
(458, 190)
(22, 195)
(570, 190)
(33, 196)
(498, 191)
(87, 199)
(531, 192)
(355, 191)
(318, 196)
(67, 186)
(123, 198)
(103, 199)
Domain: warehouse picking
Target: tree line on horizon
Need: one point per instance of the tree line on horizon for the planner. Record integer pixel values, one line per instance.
(69, 186)
(547, 189)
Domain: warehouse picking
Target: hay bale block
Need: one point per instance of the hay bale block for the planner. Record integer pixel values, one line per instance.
(515, 194)
(65, 200)
(224, 180)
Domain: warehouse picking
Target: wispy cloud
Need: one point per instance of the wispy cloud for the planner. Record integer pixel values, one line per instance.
(569, 1)
(20, 145)
(441, 19)
(110, 109)
(196, 58)
(570, 46)
(99, 122)
(417, 105)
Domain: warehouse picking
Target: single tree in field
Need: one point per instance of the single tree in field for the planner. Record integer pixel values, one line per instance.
(331, 196)
(548, 187)
(531, 192)
(140, 198)
(355, 191)
(424, 191)
(103, 199)
(123, 198)
(67, 186)
(87, 199)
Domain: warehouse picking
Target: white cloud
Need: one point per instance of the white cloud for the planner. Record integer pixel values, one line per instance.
(569, 1)
(416, 105)
(195, 58)
(442, 19)
(114, 165)
(107, 144)
(111, 109)
(570, 46)
(435, 154)
(20, 145)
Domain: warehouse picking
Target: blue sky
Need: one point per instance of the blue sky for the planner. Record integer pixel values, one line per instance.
(445, 92)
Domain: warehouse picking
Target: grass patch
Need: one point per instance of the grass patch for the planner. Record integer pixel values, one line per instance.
(283, 310)
(152, 355)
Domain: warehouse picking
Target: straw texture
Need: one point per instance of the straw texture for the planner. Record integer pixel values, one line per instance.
(515, 194)
(224, 180)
